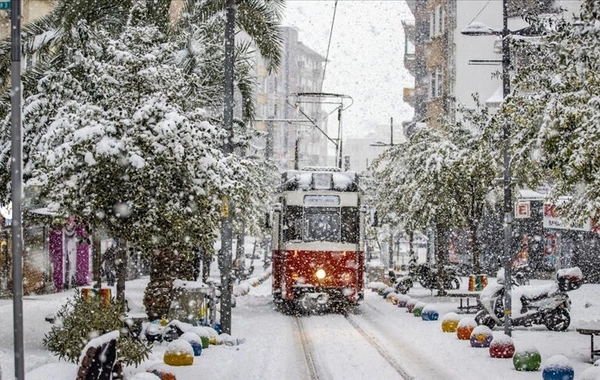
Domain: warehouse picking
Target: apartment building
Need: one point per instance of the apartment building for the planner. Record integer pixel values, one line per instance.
(294, 125)
(449, 67)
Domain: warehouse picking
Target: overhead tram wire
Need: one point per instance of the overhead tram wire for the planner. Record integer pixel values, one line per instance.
(329, 43)
(478, 13)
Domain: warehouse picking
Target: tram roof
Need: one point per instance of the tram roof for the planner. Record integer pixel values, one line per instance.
(304, 180)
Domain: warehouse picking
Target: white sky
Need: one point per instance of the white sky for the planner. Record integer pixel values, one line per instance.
(365, 58)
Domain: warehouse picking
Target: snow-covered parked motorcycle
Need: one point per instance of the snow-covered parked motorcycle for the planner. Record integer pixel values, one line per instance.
(427, 275)
(546, 305)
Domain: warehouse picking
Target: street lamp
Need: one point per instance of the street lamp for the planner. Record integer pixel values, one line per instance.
(479, 29)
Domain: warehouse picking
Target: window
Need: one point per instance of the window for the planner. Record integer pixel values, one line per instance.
(431, 25)
(436, 83)
(292, 228)
(439, 82)
(350, 223)
(439, 15)
(436, 21)
(322, 224)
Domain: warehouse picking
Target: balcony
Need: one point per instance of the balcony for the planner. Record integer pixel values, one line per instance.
(408, 95)
(410, 62)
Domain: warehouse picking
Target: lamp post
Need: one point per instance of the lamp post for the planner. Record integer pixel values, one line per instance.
(479, 29)
(226, 223)
(16, 177)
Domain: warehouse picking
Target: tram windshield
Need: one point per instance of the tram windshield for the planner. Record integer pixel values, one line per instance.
(333, 224)
(322, 224)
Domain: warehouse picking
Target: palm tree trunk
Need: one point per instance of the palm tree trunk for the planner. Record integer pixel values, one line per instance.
(166, 265)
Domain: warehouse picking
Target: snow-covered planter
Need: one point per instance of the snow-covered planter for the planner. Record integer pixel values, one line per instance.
(194, 340)
(179, 353)
(502, 346)
(591, 373)
(558, 367)
(465, 328)
(213, 335)
(481, 336)
(429, 313)
(161, 373)
(384, 292)
(375, 286)
(145, 376)
(527, 359)
(402, 299)
(418, 309)
(410, 305)
(204, 335)
(391, 297)
(450, 322)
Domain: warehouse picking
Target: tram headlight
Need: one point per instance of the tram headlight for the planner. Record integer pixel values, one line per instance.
(321, 274)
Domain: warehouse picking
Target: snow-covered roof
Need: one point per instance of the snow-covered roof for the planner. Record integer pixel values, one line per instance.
(530, 194)
(319, 180)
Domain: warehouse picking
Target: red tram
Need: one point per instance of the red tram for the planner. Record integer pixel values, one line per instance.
(317, 238)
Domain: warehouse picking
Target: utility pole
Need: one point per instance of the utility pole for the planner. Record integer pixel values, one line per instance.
(226, 222)
(391, 131)
(507, 180)
(505, 33)
(16, 177)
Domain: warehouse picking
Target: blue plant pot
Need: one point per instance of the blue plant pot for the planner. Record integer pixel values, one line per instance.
(558, 373)
(430, 315)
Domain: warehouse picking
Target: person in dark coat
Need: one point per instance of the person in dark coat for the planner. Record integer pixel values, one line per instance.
(109, 261)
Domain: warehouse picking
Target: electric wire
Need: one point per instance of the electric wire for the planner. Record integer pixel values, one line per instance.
(329, 43)
(481, 10)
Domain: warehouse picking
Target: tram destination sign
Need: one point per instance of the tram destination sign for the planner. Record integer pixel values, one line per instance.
(4, 5)
(321, 200)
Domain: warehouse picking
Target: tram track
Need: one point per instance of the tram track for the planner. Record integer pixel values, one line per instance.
(310, 331)
(313, 373)
(380, 349)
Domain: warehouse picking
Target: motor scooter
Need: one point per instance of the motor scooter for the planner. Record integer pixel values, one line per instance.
(546, 305)
(427, 275)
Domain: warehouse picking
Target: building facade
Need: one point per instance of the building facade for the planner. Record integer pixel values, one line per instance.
(450, 69)
(293, 122)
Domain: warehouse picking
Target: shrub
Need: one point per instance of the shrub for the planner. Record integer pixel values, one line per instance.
(80, 320)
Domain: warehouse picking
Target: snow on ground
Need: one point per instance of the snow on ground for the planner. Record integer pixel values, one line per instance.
(272, 348)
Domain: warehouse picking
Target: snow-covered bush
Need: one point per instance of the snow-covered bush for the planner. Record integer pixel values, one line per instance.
(80, 320)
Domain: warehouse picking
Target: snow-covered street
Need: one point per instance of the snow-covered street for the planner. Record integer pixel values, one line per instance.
(377, 340)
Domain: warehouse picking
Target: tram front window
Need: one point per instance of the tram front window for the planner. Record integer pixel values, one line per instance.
(322, 224)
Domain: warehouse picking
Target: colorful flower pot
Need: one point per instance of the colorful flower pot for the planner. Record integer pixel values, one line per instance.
(410, 305)
(418, 309)
(527, 359)
(179, 353)
(465, 328)
(558, 367)
(502, 346)
(402, 300)
(450, 322)
(481, 337)
(429, 313)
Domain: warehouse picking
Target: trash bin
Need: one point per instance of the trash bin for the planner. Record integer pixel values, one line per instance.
(477, 282)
